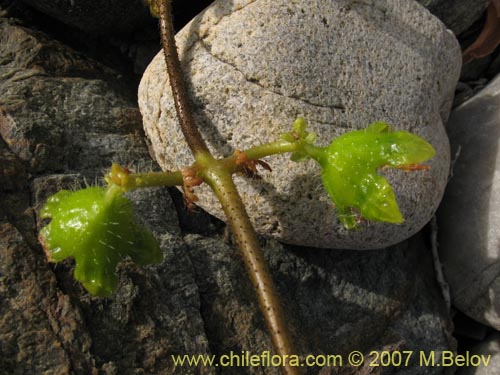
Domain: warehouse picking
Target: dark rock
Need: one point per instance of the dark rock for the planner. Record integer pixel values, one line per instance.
(469, 329)
(14, 193)
(457, 15)
(108, 17)
(12, 171)
(63, 112)
(476, 69)
(53, 117)
(185, 10)
(489, 350)
(41, 331)
(337, 301)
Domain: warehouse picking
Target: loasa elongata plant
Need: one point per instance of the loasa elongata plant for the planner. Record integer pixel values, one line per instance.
(96, 225)
(219, 178)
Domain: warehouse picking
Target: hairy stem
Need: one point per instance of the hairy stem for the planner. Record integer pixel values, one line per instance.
(273, 148)
(120, 176)
(129, 181)
(151, 179)
(267, 149)
(219, 178)
(177, 82)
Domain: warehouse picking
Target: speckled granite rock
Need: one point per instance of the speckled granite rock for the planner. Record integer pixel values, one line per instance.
(457, 15)
(253, 66)
(469, 217)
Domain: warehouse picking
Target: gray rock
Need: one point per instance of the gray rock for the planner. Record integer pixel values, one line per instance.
(254, 66)
(489, 348)
(56, 119)
(40, 330)
(62, 112)
(457, 15)
(108, 17)
(469, 217)
(337, 301)
(14, 192)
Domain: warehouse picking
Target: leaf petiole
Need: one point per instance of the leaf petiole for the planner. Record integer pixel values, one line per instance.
(128, 181)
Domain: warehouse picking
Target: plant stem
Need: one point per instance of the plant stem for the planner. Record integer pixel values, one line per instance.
(177, 82)
(267, 149)
(278, 147)
(221, 182)
(121, 177)
(129, 181)
(219, 179)
(151, 179)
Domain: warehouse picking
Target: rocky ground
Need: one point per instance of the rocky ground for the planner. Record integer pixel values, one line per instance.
(69, 74)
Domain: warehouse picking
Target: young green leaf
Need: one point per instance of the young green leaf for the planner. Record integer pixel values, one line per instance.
(349, 168)
(350, 176)
(300, 136)
(96, 226)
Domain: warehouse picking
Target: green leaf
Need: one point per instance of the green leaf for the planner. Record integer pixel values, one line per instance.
(299, 125)
(350, 176)
(300, 136)
(96, 226)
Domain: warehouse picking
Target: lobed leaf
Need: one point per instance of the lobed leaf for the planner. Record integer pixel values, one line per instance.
(350, 175)
(96, 226)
